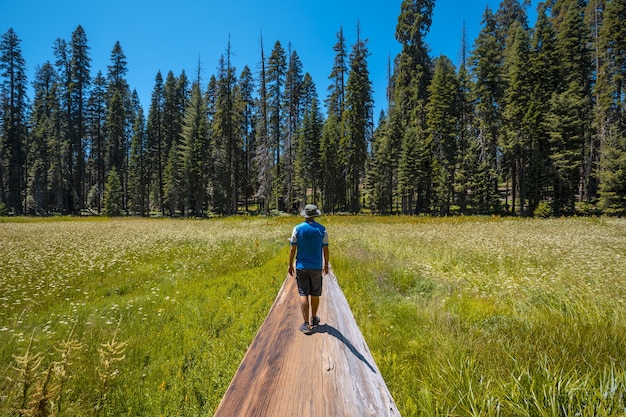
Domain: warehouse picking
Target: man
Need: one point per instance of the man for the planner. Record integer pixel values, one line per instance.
(309, 241)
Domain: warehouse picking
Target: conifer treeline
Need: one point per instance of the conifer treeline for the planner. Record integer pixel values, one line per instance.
(531, 122)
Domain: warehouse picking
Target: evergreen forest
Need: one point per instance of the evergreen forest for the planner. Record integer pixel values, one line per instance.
(531, 122)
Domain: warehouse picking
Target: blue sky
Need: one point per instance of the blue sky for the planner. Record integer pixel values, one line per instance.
(166, 35)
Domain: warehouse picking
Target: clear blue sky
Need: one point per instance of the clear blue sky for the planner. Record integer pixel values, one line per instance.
(175, 35)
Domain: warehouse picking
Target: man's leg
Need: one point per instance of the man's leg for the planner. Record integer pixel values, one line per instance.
(304, 306)
(316, 292)
(315, 302)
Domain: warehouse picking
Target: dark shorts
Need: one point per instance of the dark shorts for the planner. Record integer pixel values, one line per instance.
(309, 282)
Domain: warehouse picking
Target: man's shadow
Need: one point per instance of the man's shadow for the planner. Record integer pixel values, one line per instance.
(327, 328)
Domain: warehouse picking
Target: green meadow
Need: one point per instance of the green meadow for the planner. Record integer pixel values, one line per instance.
(476, 316)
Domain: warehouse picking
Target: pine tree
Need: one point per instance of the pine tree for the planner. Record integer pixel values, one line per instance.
(193, 150)
(157, 154)
(234, 136)
(301, 168)
(313, 143)
(64, 71)
(415, 171)
(517, 146)
(443, 129)
(386, 153)
(227, 138)
(544, 73)
(338, 75)
(263, 149)
(119, 117)
(611, 110)
(293, 118)
(116, 131)
(98, 140)
(412, 75)
(113, 194)
(510, 13)
(171, 121)
(174, 187)
(332, 182)
(13, 133)
(357, 123)
(613, 175)
(248, 109)
(379, 182)
(80, 82)
(222, 134)
(569, 119)
(44, 123)
(214, 186)
(138, 179)
(276, 72)
(413, 67)
(486, 65)
(309, 93)
(307, 161)
(467, 138)
(594, 18)
(175, 100)
(116, 71)
(467, 174)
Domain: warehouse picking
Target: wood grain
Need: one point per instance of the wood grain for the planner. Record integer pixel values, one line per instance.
(328, 373)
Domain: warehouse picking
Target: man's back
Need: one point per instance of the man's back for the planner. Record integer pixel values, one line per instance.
(310, 237)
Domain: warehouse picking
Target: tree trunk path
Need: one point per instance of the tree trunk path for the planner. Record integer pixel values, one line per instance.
(329, 373)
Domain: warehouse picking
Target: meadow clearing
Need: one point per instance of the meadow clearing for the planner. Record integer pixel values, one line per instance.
(476, 316)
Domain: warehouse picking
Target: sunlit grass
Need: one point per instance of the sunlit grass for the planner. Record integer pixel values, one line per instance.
(187, 297)
(492, 316)
(464, 316)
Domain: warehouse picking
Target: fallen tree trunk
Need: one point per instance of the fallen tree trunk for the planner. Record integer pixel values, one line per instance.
(329, 373)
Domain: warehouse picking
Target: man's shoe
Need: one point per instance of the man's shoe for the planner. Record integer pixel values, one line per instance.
(315, 320)
(305, 328)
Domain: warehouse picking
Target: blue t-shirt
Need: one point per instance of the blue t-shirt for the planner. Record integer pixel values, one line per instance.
(310, 237)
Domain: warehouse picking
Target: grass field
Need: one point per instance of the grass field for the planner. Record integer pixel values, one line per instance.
(464, 316)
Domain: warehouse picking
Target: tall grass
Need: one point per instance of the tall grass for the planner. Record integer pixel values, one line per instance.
(500, 317)
(158, 313)
(465, 316)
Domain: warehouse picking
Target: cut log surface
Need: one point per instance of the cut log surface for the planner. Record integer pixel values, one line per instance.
(328, 373)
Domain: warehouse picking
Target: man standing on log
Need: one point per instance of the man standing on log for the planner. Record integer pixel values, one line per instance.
(310, 241)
